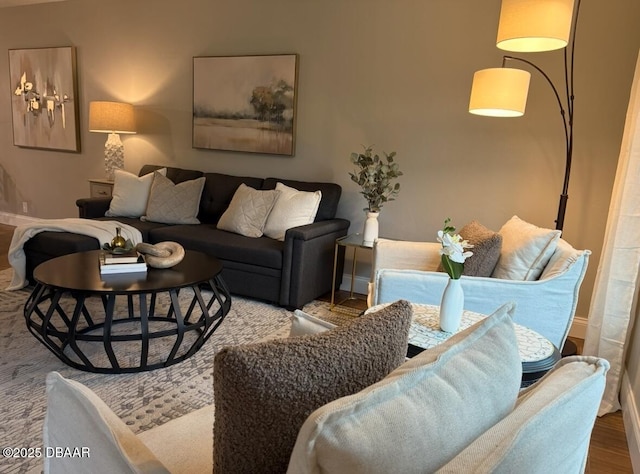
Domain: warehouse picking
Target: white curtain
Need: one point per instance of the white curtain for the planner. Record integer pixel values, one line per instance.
(615, 295)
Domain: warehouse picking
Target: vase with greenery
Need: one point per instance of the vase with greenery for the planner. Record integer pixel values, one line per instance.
(376, 177)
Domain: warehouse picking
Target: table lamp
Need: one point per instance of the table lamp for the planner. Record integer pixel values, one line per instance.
(112, 118)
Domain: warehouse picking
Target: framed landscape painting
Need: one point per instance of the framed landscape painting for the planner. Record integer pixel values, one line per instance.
(245, 103)
(44, 101)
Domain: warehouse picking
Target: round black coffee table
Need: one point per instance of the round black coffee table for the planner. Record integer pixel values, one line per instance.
(124, 323)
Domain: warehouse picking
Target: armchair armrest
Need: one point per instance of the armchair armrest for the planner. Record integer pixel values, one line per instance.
(307, 266)
(93, 207)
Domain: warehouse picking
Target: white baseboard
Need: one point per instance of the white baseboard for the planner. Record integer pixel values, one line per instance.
(631, 419)
(16, 219)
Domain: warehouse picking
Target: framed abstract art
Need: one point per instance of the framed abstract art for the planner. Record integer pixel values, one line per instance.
(44, 98)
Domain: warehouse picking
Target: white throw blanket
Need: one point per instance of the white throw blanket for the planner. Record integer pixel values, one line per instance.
(104, 231)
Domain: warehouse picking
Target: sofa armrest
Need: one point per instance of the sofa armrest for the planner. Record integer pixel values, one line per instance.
(89, 208)
(307, 262)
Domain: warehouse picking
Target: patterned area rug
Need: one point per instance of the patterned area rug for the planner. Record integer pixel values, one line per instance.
(142, 400)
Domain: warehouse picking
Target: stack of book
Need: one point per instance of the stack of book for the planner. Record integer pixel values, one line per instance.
(130, 262)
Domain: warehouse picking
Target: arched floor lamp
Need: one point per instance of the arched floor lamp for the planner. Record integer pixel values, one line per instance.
(532, 26)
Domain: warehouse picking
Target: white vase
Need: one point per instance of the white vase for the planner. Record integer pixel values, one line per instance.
(451, 306)
(370, 233)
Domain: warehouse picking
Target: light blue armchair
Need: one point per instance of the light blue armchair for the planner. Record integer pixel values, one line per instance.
(407, 270)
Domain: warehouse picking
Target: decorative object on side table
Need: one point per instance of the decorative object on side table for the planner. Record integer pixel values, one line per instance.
(375, 176)
(453, 256)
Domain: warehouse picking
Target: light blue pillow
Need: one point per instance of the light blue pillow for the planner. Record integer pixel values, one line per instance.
(422, 414)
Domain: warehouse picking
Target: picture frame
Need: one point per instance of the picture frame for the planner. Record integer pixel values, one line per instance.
(44, 98)
(245, 103)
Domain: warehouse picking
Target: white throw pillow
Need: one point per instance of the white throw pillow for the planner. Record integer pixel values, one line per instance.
(550, 427)
(303, 324)
(526, 250)
(130, 194)
(422, 414)
(248, 211)
(292, 209)
(76, 417)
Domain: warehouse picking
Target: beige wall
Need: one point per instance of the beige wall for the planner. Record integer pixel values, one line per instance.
(394, 73)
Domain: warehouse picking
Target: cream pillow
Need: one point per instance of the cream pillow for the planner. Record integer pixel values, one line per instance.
(303, 324)
(248, 211)
(550, 427)
(292, 209)
(526, 250)
(422, 414)
(76, 417)
(171, 203)
(130, 194)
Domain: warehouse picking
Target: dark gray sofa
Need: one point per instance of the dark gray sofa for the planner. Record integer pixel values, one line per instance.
(289, 273)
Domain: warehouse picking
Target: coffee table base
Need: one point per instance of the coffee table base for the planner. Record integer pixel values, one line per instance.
(88, 337)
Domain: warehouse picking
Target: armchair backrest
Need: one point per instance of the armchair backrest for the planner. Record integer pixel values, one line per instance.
(407, 270)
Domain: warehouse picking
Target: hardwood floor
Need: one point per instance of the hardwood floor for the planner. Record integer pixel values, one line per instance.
(608, 453)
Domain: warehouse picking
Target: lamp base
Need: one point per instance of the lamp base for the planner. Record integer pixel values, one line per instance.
(113, 155)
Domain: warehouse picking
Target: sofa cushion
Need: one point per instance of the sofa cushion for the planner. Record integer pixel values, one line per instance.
(130, 194)
(526, 250)
(145, 227)
(218, 191)
(171, 203)
(293, 208)
(262, 252)
(248, 211)
(176, 175)
(330, 194)
(532, 435)
(76, 417)
(486, 249)
(432, 406)
(263, 392)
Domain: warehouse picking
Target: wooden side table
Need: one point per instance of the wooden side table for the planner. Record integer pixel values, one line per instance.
(355, 242)
(100, 187)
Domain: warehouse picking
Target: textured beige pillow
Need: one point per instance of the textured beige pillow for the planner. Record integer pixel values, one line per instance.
(76, 417)
(130, 194)
(292, 209)
(171, 203)
(263, 392)
(422, 414)
(248, 211)
(486, 249)
(526, 250)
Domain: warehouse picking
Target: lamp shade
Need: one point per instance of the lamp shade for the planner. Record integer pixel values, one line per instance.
(111, 117)
(534, 25)
(499, 92)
